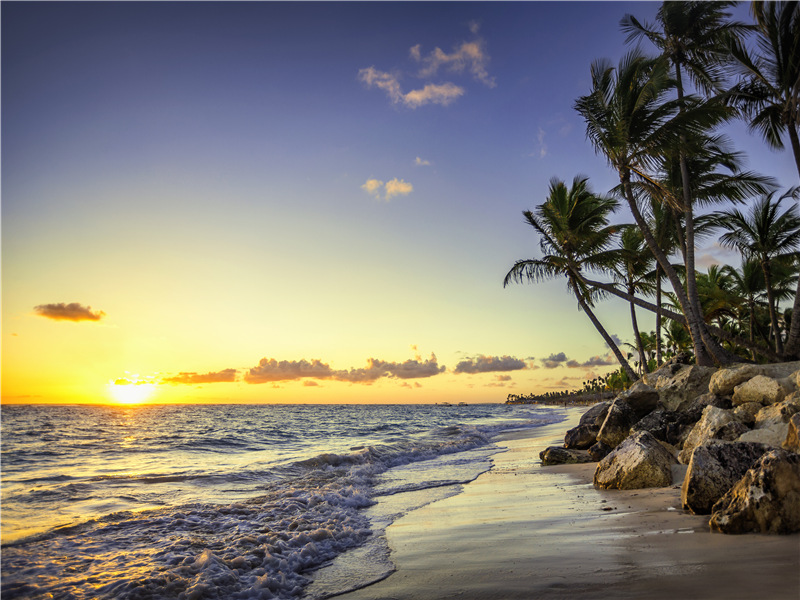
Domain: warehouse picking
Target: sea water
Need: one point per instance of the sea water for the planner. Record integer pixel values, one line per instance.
(227, 501)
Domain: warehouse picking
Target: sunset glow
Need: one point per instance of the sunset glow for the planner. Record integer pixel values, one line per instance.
(131, 392)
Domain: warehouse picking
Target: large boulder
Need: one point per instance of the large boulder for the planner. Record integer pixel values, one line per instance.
(780, 370)
(556, 455)
(599, 451)
(780, 412)
(792, 441)
(761, 389)
(596, 414)
(642, 398)
(581, 437)
(773, 434)
(724, 380)
(765, 500)
(617, 424)
(713, 470)
(706, 429)
(679, 387)
(639, 462)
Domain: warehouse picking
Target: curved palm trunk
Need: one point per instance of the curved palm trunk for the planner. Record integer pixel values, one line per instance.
(637, 335)
(795, 141)
(658, 316)
(773, 315)
(607, 338)
(792, 349)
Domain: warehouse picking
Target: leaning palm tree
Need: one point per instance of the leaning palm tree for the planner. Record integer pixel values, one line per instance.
(629, 120)
(764, 234)
(573, 228)
(768, 92)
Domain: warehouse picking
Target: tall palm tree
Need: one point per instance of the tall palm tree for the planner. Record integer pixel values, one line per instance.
(573, 228)
(629, 120)
(748, 283)
(694, 37)
(768, 94)
(764, 234)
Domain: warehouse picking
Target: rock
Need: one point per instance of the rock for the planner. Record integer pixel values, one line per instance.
(765, 500)
(581, 437)
(682, 387)
(724, 380)
(694, 410)
(772, 435)
(713, 470)
(760, 388)
(599, 451)
(706, 428)
(780, 370)
(596, 414)
(642, 398)
(617, 424)
(777, 413)
(746, 413)
(639, 462)
(792, 441)
(731, 431)
(658, 423)
(556, 455)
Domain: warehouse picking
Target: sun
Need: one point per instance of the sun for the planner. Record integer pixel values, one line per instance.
(131, 391)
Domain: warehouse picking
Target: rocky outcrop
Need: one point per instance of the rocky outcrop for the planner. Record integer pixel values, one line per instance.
(713, 470)
(642, 398)
(761, 389)
(617, 424)
(556, 455)
(706, 429)
(581, 437)
(772, 435)
(639, 462)
(725, 380)
(778, 413)
(596, 414)
(679, 385)
(599, 451)
(765, 500)
(746, 413)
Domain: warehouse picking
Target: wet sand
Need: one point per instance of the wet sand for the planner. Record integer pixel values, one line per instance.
(524, 531)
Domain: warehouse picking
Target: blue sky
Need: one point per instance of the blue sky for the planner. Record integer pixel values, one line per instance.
(232, 182)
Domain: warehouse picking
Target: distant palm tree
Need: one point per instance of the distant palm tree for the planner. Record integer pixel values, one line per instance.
(764, 234)
(573, 228)
(748, 283)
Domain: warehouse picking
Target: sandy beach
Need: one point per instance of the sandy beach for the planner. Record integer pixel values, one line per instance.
(522, 530)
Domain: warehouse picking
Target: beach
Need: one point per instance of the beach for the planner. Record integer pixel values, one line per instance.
(522, 530)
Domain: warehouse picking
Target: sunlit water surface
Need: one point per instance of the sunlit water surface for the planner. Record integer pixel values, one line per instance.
(226, 501)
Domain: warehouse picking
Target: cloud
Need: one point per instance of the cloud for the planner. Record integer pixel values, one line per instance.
(387, 191)
(469, 56)
(270, 370)
(383, 81)
(489, 364)
(224, 376)
(68, 312)
(433, 93)
(420, 162)
(474, 27)
(554, 360)
(542, 146)
(557, 360)
(502, 377)
(615, 338)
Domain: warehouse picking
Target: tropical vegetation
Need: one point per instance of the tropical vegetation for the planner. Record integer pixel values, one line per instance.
(658, 119)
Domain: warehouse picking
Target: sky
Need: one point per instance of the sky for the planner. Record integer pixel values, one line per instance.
(297, 202)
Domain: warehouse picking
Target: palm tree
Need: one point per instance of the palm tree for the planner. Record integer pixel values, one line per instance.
(631, 123)
(768, 93)
(573, 228)
(748, 283)
(764, 234)
(632, 267)
(694, 37)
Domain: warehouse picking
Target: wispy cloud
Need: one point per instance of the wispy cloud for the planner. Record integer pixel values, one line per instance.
(68, 312)
(489, 364)
(387, 191)
(542, 146)
(443, 94)
(468, 56)
(421, 162)
(224, 376)
(560, 359)
(554, 360)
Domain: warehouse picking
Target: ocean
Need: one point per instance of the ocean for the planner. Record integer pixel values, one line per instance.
(227, 501)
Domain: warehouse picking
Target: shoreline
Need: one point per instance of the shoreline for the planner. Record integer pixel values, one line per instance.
(525, 531)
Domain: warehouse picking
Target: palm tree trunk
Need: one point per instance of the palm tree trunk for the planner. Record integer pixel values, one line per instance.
(611, 344)
(773, 315)
(795, 141)
(637, 335)
(658, 315)
(792, 349)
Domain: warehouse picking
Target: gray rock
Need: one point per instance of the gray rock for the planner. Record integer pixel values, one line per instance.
(792, 441)
(679, 389)
(694, 410)
(706, 428)
(581, 437)
(772, 435)
(642, 398)
(731, 431)
(617, 424)
(724, 380)
(556, 455)
(713, 470)
(765, 500)
(780, 370)
(639, 462)
(760, 388)
(599, 451)
(596, 414)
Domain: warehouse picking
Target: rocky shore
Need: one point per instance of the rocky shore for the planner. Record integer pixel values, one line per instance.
(737, 430)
